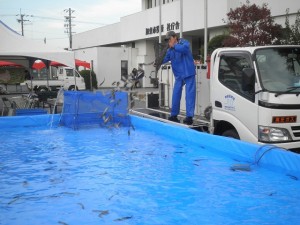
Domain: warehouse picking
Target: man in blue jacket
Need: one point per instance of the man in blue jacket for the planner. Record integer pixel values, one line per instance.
(183, 67)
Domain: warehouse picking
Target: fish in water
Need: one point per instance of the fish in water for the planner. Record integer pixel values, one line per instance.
(101, 212)
(241, 167)
(105, 110)
(25, 183)
(81, 205)
(63, 223)
(16, 198)
(123, 218)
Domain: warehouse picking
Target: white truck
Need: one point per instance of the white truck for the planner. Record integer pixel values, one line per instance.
(248, 93)
(65, 77)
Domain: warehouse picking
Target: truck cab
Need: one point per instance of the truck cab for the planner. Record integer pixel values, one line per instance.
(254, 94)
(67, 75)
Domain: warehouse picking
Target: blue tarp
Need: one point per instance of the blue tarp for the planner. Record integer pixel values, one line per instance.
(252, 154)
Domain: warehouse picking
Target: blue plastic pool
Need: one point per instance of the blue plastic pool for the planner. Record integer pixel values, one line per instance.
(147, 175)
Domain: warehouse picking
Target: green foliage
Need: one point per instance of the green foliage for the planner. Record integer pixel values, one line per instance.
(291, 33)
(216, 42)
(86, 76)
(12, 75)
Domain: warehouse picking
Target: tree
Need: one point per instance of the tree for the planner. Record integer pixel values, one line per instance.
(86, 76)
(291, 33)
(252, 25)
(216, 42)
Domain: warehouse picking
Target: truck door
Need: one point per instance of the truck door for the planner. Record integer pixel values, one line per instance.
(69, 78)
(233, 104)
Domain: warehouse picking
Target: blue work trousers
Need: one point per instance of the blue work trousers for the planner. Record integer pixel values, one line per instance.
(190, 95)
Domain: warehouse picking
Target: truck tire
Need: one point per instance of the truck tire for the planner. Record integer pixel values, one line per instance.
(232, 133)
(42, 89)
(72, 88)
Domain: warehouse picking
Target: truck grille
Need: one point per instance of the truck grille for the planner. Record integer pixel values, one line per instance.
(296, 131)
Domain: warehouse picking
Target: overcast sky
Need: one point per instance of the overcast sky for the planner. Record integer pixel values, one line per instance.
(46, 17)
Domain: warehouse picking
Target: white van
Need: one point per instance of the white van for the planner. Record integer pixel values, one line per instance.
(65, 77)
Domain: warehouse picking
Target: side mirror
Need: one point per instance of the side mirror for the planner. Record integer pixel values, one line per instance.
(248, 79)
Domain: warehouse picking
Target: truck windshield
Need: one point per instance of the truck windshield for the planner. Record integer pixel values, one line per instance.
(279, 69)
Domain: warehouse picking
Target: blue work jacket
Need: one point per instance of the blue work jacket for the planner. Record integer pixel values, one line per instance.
(181, 59)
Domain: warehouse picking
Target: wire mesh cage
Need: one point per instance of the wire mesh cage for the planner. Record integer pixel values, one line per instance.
(93, 109)
(160, 50)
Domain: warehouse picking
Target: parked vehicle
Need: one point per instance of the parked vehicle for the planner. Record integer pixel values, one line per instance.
(249, 93)
(65, 77)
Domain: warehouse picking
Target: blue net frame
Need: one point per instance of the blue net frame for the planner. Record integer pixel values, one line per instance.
(83, 109)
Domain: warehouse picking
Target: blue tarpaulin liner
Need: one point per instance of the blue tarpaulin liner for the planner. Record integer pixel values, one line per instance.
(252, 154)
(270, 156)
(103, 108)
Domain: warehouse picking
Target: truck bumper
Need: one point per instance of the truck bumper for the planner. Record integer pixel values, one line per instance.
(292, 146)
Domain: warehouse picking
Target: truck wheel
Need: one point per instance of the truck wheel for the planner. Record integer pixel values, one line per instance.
(42, 89)
(72, 88)
(232, 133)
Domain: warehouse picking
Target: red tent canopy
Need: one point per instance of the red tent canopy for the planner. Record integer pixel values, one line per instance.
(40, 65)
(82, 63)
(6, 63)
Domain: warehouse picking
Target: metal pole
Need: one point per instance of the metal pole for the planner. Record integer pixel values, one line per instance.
(181, 17)
(205, 31)
(70, 27)
(91, 78)
(159, 10)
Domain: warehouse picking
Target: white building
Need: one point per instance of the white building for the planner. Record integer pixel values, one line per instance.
(120, 47)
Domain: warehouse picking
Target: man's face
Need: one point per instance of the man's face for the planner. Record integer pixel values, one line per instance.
(172, 41)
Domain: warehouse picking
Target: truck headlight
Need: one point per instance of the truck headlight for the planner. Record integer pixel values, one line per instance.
(273, 134)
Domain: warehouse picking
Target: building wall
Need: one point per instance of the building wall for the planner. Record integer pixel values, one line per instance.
(142, 29)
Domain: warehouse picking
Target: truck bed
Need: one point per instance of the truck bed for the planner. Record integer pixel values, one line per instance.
(162, 115)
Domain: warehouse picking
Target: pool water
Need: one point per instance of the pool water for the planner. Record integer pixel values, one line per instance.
(131, 176)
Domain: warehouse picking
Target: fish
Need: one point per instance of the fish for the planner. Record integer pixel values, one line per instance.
(105, 110)
(113, 196)
(63, 223)
(133, 128)
(292, 177)
(81, 205)
(241, 167)
(16, 198)
(123, 218)
(107, 119)
(102, 82)
(117, 125)
(25, 183)
(101, 212)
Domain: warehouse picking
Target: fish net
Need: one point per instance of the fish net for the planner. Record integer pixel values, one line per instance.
(160, 50)
(83, 109)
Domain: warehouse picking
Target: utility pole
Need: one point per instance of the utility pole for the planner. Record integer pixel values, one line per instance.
(205, 30)
(22, 20)
(68, 24)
